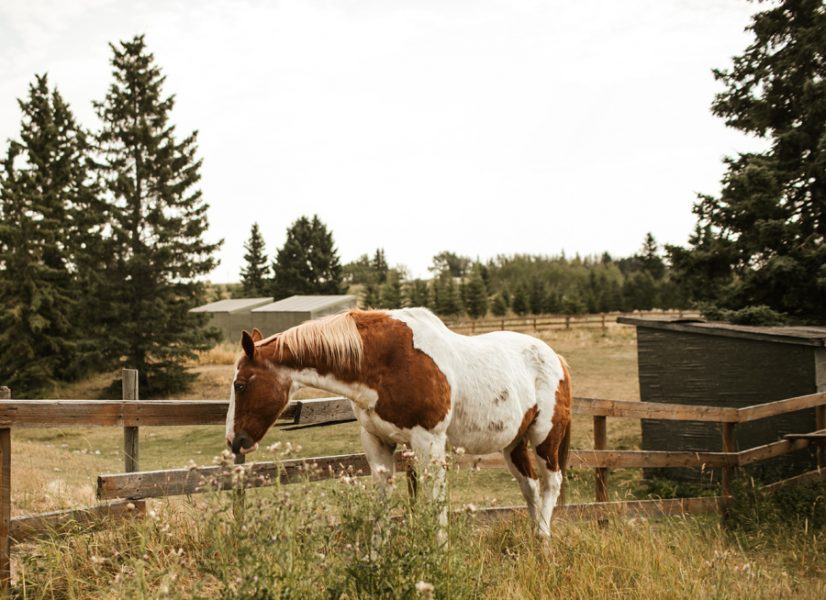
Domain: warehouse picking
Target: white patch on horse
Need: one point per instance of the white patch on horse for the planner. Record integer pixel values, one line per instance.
(494, 380)
(230, 431)
(363, 396)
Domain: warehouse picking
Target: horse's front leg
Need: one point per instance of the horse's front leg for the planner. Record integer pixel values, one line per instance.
(382, 466)
(430, 449)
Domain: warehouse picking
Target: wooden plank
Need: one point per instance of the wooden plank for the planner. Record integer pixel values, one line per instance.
(173, 482)
(820, 424)
(752, 455)
(761, 411)
(131, 434)
(5, 501)
(106, 413)
(600, 473)
(650, 410)
(60, 522)
(630, 508)
(323, 410)
(807, 477)
(728, 442)
(591, 459)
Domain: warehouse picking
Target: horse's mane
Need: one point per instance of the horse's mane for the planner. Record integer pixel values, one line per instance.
(334, 339)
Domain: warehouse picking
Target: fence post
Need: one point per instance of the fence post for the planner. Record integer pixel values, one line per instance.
(567, 321)
(820, 423)
(534, 324)
(604, 327)
(131, 448)
(728, 446)
(503, 325)
(5, 501)
(601, 443)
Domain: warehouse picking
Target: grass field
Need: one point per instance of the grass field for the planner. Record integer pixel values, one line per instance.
(192, 548)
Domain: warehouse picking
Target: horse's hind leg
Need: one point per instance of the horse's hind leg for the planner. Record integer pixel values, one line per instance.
(522, 468)
(550, 473)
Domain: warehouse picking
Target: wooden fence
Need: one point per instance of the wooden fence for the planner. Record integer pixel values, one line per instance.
(536, 323)
(129, 489)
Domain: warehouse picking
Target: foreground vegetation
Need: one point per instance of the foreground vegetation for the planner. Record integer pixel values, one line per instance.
(341, 540)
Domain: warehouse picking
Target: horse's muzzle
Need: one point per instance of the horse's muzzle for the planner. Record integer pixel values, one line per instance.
(241, 442)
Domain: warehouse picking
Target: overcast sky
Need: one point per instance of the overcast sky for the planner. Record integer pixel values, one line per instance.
(481, 127)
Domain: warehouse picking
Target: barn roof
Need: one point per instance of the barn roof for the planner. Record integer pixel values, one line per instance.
(232, 305)
(306, 303)
(807, 335)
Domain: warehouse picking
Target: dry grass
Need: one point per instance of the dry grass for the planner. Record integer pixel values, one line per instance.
(190, 548)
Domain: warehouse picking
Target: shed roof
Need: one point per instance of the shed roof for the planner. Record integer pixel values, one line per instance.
(232, 305)
(807, 335)
(305, 303)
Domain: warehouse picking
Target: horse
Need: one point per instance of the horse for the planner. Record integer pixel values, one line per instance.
(413, 381)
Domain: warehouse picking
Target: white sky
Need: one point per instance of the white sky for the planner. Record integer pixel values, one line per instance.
(481, 127)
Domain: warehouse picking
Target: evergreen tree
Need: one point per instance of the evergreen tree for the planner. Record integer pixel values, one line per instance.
(47, 205)
(308, 262)
(476, 295)
(763, 240)
(391, 291)
(521, 301)
(499, 307)
(379, 266)
(447, 300)
(418, 293)
(254, 280)
(372, 296)
(537, 296)
(158, 223)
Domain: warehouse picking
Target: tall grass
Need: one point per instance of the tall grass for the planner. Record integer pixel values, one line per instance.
(344, 539)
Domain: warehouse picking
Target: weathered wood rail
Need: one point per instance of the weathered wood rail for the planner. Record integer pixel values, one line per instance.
(555, 322)
(132, 487)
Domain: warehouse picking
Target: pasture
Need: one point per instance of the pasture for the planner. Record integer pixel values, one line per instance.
(194, 548)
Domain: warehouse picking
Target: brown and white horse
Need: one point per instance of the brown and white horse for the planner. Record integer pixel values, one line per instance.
(413, 381)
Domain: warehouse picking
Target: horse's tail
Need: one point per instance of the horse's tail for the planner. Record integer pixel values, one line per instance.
(564, 449)
(565, 444)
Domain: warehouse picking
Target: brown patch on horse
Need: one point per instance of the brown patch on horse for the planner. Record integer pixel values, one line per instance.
(411, 389)
(521, 459)
(554, 448)
(519, 454)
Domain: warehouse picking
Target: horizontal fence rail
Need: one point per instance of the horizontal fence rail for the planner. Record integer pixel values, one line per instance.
(161, 413)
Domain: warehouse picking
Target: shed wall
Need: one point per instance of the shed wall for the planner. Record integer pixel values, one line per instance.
(702, 369)
(274, 322)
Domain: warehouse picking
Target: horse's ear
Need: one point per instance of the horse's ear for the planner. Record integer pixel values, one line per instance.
(248, 344)
(257, 336)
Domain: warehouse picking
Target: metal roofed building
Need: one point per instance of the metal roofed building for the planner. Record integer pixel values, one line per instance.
(720, 364)
(232, 316)
(279, 316)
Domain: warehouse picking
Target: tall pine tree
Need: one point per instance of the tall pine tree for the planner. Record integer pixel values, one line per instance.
(308, 262)
(48, 208)
(254, 280)
(158, 223)
(763, 240)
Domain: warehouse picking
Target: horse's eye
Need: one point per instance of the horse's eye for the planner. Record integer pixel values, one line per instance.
(240, 387)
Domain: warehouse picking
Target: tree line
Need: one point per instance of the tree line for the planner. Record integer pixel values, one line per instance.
(102, 236)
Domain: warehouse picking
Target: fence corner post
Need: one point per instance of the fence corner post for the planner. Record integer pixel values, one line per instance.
(131, 444)
(5, 501)
(820, 423)
(727, 471)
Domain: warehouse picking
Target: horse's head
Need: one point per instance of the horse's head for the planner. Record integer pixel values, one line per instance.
(259, 393)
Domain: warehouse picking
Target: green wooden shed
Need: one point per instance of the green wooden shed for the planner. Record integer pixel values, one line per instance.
(279, 316)
(231, 316)
(720, 364)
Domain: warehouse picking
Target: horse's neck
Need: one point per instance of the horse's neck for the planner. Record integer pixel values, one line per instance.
(322, 374)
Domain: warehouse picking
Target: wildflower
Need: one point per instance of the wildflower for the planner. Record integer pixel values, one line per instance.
(459, 450)
(424, 588)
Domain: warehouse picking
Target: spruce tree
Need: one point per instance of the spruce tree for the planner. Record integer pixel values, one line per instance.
(379, 265)
(763, 240)
(391, 291)
(158, 223)
(418, 293)
(476, 295)
(254, 280)
(499, 306)
(308, 261)
(521, 301)
(48, 207)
